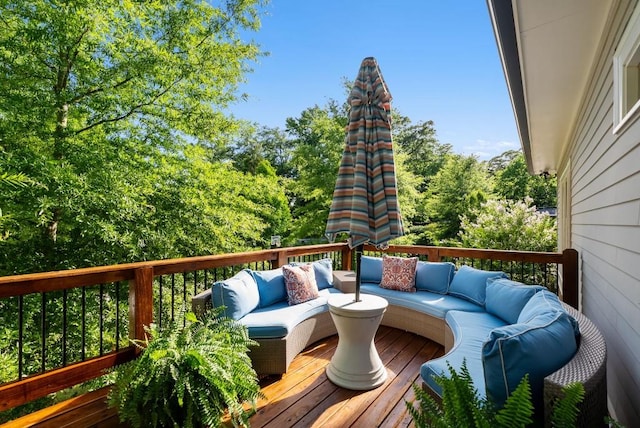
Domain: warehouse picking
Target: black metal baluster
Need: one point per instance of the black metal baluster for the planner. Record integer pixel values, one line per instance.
(195, 282)
(83, 350)
(533, 273)
(100, 310)
(64, 327)
(184, 297)
(20, 334)
(43, 327)
(173, 296)
(160, 305)
(117, 316)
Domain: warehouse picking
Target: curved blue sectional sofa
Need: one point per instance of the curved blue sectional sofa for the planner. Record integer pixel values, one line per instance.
(501, 328)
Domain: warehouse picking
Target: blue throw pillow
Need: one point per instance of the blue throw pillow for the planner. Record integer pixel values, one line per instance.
(542, 302)
(238, 294)
(323, 270)
(471, 283)
(270, 286)
(538, 348)
(370, 269)
(434, 276)
(505, 298)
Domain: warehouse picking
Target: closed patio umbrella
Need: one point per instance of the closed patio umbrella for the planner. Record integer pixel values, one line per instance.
(365, 199)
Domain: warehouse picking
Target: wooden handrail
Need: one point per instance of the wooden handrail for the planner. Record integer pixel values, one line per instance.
(16, 393)
(141, 277)
(43, 282)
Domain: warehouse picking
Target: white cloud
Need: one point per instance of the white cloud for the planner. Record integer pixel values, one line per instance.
(485, 150)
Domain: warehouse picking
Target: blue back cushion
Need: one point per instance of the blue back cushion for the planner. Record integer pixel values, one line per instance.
(238, 294)
(434, 276)
(538, 347)
(505, 298)
(270, 286)
(371, 269)
(544, 301)
(471, 283)
(323, 270)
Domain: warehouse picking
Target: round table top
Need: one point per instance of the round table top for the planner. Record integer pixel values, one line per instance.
(345, 304)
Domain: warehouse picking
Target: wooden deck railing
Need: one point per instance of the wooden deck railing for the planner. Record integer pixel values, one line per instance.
(159, 290)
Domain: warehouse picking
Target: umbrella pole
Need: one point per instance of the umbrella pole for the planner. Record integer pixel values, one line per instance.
(359, 250)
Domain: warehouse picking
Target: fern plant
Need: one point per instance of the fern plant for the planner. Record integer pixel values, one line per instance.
(188, 376)
(462, 405)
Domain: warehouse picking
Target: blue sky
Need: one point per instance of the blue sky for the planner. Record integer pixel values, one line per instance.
(439, 59)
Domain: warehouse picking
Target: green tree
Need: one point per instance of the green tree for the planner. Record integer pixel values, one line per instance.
(101, 102)
(509, 225)
(500, 162)
(318, 141)
(9, 181)
(461, 185)
(513, 181)
(257, 144)
(410, 199)
(425, 155)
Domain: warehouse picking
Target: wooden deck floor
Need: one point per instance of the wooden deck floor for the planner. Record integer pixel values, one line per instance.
(303, 397)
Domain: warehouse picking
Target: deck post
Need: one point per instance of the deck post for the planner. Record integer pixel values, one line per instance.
(281, 258)
(347, 258)
(140, 302)
(570, 277)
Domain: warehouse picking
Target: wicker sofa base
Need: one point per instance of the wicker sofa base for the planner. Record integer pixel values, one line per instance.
(588, 365)
(273, 356)
(415, 322)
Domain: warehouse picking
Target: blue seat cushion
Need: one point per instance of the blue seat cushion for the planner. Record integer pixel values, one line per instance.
(538, 347)
(238, 294)
(470, 330)
(323, 270)
(434, 276)
(270, 286)
(471, 284)
(434, 304)
(370, 269)
(279, 319)
(506, 298)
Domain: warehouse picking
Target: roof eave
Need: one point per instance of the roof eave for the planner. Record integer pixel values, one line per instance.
(504, 28)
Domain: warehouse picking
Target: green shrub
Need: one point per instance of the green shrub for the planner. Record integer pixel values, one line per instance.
(191, 376)
(462, 406)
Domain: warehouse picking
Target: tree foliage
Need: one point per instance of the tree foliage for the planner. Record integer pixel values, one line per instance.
(103, 104)
(509, 225)
(513, 181)
(318, 141)
(255, 145)
(425, 155)
(461, 185)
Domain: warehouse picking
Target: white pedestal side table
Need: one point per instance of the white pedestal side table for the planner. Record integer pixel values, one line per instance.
(356, 363)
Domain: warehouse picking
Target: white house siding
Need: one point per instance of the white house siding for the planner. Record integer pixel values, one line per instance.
(605, 223)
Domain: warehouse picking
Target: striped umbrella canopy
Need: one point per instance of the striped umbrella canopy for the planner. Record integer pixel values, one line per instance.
(365, 199)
